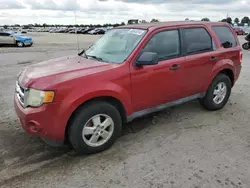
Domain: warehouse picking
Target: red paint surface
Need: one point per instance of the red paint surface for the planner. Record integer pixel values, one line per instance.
(76, 80)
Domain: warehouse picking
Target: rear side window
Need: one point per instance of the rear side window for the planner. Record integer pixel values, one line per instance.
(166, 44)
(197, 40)
(225, 35)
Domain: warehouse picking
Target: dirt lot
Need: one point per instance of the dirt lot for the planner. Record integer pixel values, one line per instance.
(181, 147)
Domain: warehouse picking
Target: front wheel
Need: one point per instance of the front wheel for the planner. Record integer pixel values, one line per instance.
(218, 93)
(95, 127)
(20, 44)
(246, 46)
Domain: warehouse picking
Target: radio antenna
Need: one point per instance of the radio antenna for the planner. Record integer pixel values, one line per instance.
(77, 39)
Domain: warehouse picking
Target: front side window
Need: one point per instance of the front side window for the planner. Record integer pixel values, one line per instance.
(197, 40)
(166, 44)
(116, 45)
(225, 35)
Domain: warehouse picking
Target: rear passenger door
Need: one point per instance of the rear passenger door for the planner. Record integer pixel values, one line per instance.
(2, 38)
(229, 46)
(201, 56)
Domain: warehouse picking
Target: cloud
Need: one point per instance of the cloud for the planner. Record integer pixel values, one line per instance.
(65, 5)
(116, 11)
(10, 4)
(176, 1)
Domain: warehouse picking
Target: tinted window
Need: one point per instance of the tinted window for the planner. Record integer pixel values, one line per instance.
(166, 44)
(225, 35)
(197, 40)
(4, 34)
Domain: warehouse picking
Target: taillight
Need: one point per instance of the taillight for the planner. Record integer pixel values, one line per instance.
(240, 56)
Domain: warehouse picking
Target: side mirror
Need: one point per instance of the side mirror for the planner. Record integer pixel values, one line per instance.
(147, 58)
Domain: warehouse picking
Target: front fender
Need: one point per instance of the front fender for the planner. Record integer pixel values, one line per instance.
(80, 95)
(19, 39)
(218, 67)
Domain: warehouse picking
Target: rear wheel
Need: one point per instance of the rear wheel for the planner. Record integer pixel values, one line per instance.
(95, 127)
(19, 44)
(218, 93)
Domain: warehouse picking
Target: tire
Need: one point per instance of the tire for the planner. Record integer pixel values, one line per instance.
(208, 101)
(245, 46)
(84, 118)
(19, 44)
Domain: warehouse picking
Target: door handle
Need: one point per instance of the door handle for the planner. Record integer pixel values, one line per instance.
(175, 67)
(213, 58)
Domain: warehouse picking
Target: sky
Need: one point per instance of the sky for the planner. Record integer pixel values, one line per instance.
(117, 11)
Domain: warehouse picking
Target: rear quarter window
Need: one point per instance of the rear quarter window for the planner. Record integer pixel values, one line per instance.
(225, 35)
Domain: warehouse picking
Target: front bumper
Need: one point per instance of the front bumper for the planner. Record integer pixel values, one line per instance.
(28, 43)
(43, 121)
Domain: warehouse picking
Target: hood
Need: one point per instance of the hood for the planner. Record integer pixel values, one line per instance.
(22, 37)
(62, 69)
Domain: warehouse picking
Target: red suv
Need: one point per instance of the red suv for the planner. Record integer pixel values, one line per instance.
(131, 71)
(239, 31)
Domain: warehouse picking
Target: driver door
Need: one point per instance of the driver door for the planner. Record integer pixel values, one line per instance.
(153, 85)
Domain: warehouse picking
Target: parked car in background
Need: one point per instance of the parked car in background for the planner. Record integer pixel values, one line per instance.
(239, 31)
(91, 32)
(87, 30)
(97, 31)
(15, 39)
(134, 70)
(81, 31)
(246, 30)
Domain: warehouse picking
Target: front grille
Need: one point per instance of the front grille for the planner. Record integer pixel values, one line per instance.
(20, 92)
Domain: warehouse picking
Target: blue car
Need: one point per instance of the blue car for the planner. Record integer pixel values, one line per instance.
(15, 39)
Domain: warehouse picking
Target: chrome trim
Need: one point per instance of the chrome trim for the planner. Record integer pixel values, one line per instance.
(21, 95)
(163, 106)
(18, 89)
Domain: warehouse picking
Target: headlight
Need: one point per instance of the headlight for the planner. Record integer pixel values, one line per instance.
(36, 97)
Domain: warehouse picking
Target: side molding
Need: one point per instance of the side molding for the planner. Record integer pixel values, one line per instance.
(163, 106)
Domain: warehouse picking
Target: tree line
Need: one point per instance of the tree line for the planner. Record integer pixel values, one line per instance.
(244, 20)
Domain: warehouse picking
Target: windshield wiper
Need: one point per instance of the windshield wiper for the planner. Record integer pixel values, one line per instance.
(87, 56)
(94, 57)
(83, 53)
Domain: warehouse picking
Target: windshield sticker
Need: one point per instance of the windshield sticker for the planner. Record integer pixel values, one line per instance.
(136, 31)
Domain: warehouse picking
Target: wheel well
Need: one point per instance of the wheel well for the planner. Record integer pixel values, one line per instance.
(115, 102)
(229, 73)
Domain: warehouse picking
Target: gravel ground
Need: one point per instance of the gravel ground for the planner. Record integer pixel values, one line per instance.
(181, 147)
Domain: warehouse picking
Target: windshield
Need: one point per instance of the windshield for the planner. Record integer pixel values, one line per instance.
(116, 45)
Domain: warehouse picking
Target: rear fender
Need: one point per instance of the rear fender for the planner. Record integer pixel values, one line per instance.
(218, 67)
